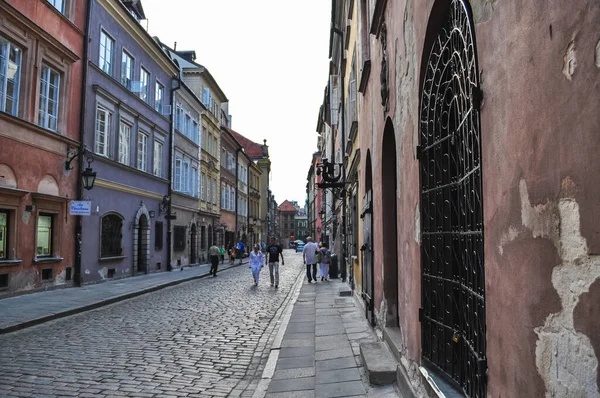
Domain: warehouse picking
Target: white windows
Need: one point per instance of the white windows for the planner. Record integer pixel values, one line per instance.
(195, 182)
(58, 4)
(223, 188)
(177, 179)
(196, 132)
(102, 137)
(157, 163)
(232, 199)
(10, 76)
(179, 118)
(185, 176)
(202, 185)
(159, 93)
(49, 90)
(126, 70)
(188, 126)
(105, 60)
(142, 151)
(144, 85)
(124, 142)
(208, 192)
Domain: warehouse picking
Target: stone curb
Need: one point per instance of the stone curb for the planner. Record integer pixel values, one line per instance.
(108, 301)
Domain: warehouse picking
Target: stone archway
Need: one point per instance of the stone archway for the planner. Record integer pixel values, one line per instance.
(141, 240)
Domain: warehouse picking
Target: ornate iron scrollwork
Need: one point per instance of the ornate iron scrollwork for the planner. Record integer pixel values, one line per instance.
(385, 90)
(452, 262)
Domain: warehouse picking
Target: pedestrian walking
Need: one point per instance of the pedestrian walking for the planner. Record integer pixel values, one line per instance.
(274, 251)
(256, 263)
(214, 253)
(324, 260)
(222, 251)
(239, 252)
(309, 254)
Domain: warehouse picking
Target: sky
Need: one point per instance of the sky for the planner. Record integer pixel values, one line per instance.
(270, 58)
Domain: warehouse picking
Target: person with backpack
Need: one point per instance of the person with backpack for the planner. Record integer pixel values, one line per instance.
(324, 258)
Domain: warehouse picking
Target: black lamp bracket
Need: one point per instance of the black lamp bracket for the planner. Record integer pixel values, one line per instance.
(73, 152)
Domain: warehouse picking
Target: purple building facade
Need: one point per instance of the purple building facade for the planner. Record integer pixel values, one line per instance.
(128, 130)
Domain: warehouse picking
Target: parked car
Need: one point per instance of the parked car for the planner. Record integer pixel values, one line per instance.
(299, 247)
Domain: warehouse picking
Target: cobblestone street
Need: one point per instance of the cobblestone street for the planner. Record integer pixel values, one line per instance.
(208, 337)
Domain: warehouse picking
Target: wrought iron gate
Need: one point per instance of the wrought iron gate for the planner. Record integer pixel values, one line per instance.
(453, 284)
(366, 249)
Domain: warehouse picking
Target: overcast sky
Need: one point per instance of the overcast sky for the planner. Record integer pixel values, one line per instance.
(270, 58)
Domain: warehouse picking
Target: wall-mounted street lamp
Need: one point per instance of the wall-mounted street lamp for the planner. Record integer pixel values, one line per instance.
(88, 175)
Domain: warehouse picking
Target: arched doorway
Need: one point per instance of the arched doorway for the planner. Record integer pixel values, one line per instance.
(143, 251)
(389, 233)
(366, 249)
(452, 269)
(193, 245)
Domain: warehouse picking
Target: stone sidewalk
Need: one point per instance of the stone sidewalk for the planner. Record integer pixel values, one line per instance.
(317, 354)
(26, 310)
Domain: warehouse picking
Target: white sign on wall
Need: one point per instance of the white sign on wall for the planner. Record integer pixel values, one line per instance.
(80, 208)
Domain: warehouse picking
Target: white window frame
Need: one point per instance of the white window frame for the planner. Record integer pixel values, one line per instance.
(202, 186)
(6, 70)
(177, 174)
(59, 5)
(157, 161)
(142, 151)
(185, 176)
(48, 118)
(102, 136)
(105, 57)
(195, 182)
(208, 193)
(124, 143)
(159, 93)
(127, 69)
(144, 84)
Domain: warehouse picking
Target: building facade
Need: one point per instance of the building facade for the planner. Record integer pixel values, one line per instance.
(243, 167)
(476, 236)
(229, 151)
(128, 131)
(301, 230)
(41, 76)
(287, 213)
(254, 220)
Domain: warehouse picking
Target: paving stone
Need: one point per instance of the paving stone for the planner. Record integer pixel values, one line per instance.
(297, 384)
(338, 375)
(294, 394)
(344, 389)
(296, 352)
(294, 373)
(337, 363)
(294, 363)
(335, 353)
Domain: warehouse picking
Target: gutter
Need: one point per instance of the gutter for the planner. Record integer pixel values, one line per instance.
(170, 173)
(79, 220)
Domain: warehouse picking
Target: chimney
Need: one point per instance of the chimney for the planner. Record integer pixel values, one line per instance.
(265, 149)
(175, 46)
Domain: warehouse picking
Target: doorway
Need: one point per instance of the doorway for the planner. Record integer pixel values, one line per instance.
(366, 248)
(193, 244)
(143, 250)
(389, 233)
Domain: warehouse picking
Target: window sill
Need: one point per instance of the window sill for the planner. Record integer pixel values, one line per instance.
(47, 259)
(111, 258)
(10, 262)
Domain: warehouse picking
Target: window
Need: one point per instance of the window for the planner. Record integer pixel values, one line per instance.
(44, 235)
(204, 137)
(222, 196)
(112, 234)
(159, 93)
(202, 186)
(232, 199)
(4, 234)
(179, 241)
(214, 190)
(102, 136)
(158, 235)
(49, 88)
(58, 4)
(195, 182)
(195, 132)
(10, 76)
(208, 197)
(144, 85)
(157, 163)
(142, 151)
(177, 179)
(179, 118)
(105, 60)
(126, 70)
(186, 176)
(124, 142)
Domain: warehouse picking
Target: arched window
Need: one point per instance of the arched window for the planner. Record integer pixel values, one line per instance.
(112, 236)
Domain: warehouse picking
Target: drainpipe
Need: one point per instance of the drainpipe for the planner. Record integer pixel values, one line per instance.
(237, 152)
(78, 219)
(170, 173)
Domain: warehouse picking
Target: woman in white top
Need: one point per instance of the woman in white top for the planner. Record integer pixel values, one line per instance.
(257, 261)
